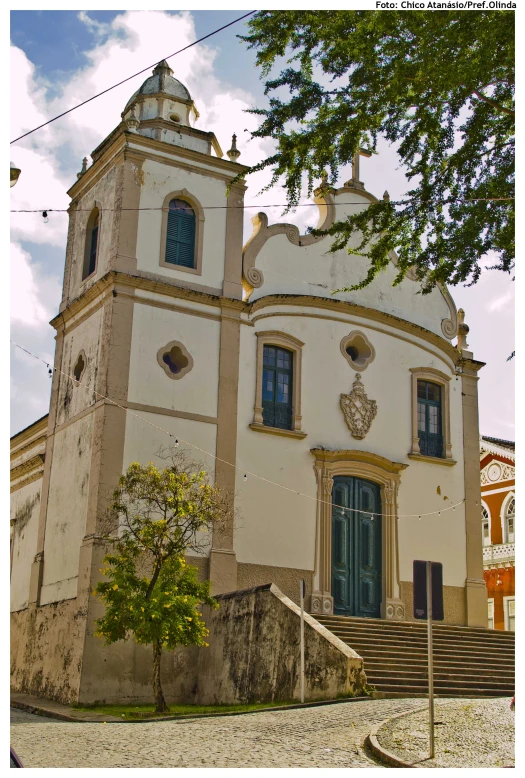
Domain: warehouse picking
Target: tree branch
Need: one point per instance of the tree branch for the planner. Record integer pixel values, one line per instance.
(493, 103)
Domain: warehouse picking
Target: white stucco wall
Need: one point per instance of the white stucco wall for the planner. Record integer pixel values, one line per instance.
(312, 270)
(144, 442)
(25, 510)
(279, 527)
(73, 398)
(66, 510)
(153, 328)
(161, 180)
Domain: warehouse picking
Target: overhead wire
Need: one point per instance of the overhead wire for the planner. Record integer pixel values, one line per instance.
(64, 113)
(256, 205)
(179, 440)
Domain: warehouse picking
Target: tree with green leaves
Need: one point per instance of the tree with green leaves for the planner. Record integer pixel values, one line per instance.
(440, 85)
(151, 594)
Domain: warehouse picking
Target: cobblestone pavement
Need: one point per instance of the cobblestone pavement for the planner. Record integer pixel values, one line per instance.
(471, 733)
(324, 736)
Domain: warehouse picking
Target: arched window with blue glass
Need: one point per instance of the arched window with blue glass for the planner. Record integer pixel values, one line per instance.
(180, 234)
(277, 389)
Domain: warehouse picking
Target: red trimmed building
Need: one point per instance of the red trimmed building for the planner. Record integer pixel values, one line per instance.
(498, 508)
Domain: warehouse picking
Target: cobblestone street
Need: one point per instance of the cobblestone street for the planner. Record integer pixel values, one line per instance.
(325, 736)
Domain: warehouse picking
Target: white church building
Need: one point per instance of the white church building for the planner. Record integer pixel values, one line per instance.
(351, 418)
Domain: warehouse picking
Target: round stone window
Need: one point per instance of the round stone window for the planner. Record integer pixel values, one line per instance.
(175, 359)
(357, 350)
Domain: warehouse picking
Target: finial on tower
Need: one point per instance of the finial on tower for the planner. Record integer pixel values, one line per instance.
(132, 123)
(162, 67)
(234, 153)
(386, 196)
(463, 331)
(84, 167)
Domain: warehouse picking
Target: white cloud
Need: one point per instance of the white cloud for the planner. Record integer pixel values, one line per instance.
(34, 297)
(502, 301)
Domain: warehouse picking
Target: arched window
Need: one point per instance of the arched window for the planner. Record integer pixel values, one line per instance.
(91, 247)
(485, 520)
(509, 520)
(180, 234)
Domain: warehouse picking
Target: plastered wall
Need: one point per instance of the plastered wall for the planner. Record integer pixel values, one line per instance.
(279, 525)
(25, 510)
(66, 510)
(160, 180)
(311, 270)
(153, 328)
(86, 337)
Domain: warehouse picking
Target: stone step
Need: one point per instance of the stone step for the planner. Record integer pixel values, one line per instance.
(375, 665)
(392, 693)
(468, 662)
(413, 626)
(440, 679)
(400, 651)
(371, 634)
(421, 641)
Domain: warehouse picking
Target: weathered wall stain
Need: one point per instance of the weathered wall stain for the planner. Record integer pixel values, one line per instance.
(24, 511)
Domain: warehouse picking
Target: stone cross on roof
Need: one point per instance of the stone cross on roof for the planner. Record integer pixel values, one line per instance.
(354, 182)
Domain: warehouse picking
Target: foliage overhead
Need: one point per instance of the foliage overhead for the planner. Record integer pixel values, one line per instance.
(150, 593)
(439, 85)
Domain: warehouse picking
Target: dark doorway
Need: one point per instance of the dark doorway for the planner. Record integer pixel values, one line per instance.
(356, 547)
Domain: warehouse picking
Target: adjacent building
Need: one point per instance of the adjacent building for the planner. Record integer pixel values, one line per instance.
(498, 516)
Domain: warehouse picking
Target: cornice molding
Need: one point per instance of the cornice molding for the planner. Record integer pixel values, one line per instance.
(354, 309)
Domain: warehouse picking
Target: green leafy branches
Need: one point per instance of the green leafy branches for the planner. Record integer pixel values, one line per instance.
(438, 84)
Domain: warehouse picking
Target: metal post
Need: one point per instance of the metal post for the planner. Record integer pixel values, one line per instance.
(301, 584)
(430, 659)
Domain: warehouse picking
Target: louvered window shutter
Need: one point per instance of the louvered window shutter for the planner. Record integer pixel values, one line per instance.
(180, 234)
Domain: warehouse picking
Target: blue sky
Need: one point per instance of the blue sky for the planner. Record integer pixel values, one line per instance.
(60, 58)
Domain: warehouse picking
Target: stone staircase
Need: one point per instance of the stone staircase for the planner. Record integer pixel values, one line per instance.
(468, 661)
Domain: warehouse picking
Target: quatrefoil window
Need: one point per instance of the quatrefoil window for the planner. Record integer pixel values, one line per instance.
(175, 359)
(357, 350)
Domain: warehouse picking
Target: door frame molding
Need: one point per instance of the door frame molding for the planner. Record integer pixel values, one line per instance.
(385, 473)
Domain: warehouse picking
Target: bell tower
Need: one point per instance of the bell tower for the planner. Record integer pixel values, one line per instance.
(148, 333)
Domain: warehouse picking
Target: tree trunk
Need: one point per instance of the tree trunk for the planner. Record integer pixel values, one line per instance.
(160, 702)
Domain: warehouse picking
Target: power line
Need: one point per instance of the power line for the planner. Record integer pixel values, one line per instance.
(133, 76)
(264, 205)
(230, 464)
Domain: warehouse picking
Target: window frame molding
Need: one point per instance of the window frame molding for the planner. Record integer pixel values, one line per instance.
(443, 380)
(294, 345)
(183, 194)
(490, 600)
(503, 516)
(484, 505)
(506, 599)
(87, 250)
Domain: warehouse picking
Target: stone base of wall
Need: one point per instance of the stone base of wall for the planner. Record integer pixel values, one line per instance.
(453, 602)
(46, 650)
(285, 578)
(254, 653)
(253, 656)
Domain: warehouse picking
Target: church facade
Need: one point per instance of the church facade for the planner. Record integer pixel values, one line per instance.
(344, 426)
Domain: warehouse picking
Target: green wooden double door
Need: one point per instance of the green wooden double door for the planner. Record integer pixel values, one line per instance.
(356, 547)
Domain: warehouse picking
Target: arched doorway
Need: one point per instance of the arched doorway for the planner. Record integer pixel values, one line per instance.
(356, 547)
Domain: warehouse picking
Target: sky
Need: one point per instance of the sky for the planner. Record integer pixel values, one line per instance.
(59, 59)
